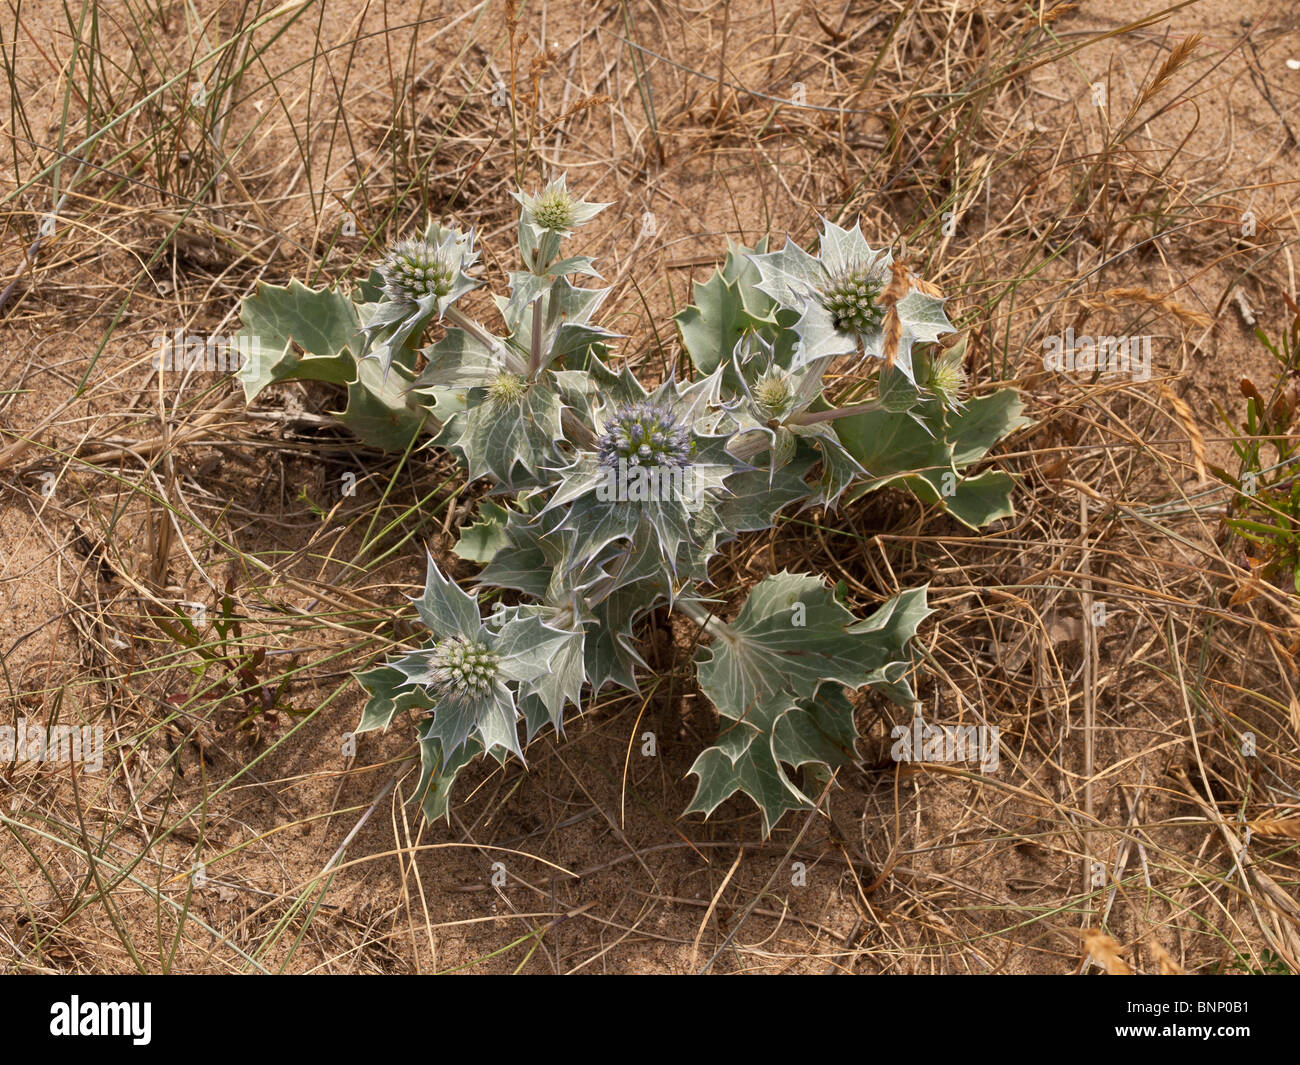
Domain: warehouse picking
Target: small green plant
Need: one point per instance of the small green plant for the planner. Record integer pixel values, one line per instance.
(229, 670)
(611, 497)
(1266, 511)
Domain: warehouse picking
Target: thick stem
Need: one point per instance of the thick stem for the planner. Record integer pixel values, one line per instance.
(813, 417)
(510, 360)
(708, 622)
(535, 355)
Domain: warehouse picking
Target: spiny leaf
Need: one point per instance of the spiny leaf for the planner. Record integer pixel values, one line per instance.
(974, 501)
(481, 541)
(928, 458)
(379, 413)
(983, 422)
(726, 306)
(499, 437)
(790, 635)
(438, 773)
(445, 607)
(754, 771)
(751, 757)
(788, 648)
(323, 323)
(390, 693)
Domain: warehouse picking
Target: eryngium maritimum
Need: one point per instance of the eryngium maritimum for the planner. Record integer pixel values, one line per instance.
(507, 388)
(462, 669)
(838, 294)
(645, 434)
(948, 378)
(420, 278)
(414, 269)
(772, 393)
(851, 300)
(555, 209)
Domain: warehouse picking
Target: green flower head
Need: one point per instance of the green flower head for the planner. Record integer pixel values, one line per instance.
(420, 279)
(772, 419)
(555, 209)
(475, 674)
(947, 377)
(460, 669)
(414, 269)
(838, 296)
(429, 270)
(772, 393)
(507, 389)
(852, 299)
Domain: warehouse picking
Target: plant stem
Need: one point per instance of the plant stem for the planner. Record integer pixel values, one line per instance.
(510, 360)
(707, 621)
(535, 356)
(813, 417)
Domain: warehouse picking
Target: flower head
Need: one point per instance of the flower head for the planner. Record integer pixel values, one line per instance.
(461, 669)
(645, 433)
(506, 388)
(470, 677)
(838, 294)
(420, 278)
(555, 209)
(772, 392)
(852, 300)
(430, 268)
(774, 418)
(947, 378)
(413, 269)
(641, 479)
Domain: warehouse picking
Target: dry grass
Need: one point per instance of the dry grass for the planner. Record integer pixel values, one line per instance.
(1114, 834)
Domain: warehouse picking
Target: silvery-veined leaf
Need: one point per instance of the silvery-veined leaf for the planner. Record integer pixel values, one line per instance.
(390, 693)
(510, 424)
(445, 607)
(438, 772)
(791, 637)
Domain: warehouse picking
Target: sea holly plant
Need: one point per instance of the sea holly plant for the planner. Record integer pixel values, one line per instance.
(840, 295)
(810, 380)
(422, 278)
